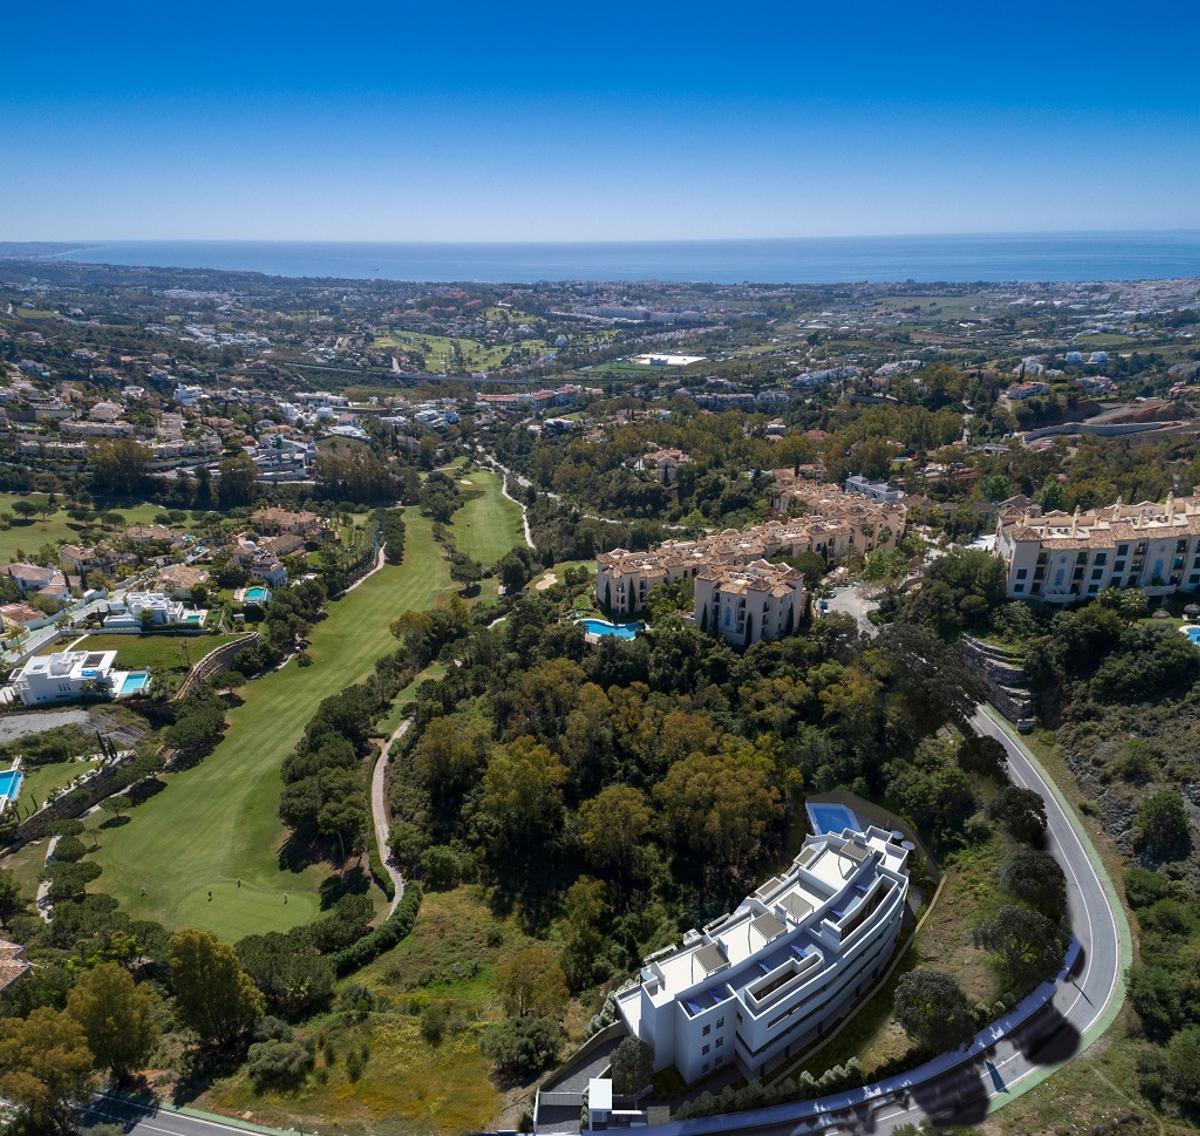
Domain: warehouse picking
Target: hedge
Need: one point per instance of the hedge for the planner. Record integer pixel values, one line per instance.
(379, 873)
(394, 928)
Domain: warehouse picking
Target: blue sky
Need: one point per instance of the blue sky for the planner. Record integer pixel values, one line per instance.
(625, 121)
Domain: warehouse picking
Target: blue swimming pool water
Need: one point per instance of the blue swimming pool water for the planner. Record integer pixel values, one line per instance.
(256, 594)
(134, 682)
(1193, 634)
(617, 631)
(10, 784)
(830, 818)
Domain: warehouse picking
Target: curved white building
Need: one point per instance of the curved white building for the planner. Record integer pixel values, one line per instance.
(761, 984)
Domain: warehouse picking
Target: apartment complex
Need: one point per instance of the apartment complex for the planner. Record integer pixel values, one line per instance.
(761, 984)
(746, 605)
(819, 518)
(1063, 558)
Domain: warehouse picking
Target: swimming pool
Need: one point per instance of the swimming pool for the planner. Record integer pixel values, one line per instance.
(828, 817)
(10, 784)
(134, 682)
(615, 630)
(256, 594)
(1193, 634)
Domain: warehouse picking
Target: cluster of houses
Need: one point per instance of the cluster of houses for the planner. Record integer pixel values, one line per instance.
(740, 590)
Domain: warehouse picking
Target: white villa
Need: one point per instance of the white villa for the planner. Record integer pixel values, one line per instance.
(1067, 557)
(163, 611)
(66, 675)
(760, 985)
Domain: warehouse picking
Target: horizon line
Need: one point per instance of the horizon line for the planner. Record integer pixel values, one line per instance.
(90, 242)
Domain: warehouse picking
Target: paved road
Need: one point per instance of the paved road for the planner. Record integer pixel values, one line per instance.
(1081, 1008)
(138, 1120)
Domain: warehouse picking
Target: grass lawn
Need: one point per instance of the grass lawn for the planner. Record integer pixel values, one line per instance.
(449, 353)
(489, 524)
(387, 726)
(41, 780)
(164, 652)
(57, 528)
(217, 823)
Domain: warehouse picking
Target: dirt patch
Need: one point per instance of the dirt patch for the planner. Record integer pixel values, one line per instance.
(547, 581)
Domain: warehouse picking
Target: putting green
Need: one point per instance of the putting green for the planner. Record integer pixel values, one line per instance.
(216, 824)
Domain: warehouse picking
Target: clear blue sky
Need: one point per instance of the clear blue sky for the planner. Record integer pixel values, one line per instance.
(456, 121)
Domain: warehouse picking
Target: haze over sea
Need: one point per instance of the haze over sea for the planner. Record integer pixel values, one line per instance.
(817, 260)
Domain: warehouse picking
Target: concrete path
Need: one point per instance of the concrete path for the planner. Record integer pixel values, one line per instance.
(379, 812)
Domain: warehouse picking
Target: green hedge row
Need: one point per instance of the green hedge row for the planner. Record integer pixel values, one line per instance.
(394, 928)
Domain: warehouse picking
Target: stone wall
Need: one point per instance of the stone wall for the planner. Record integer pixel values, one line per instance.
(1005, 681)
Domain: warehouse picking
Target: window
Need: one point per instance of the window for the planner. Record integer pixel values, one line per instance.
(720, 1022)
(705, 1068)
(1022, 573)
(1093, 589)
(1018, 588)
(719, 1042)
(705, 1050)
(1097, 573)
(1101, 558)
(706, 1030)
(1119, 566)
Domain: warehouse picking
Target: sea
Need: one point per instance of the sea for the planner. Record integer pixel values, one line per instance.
(990, 258)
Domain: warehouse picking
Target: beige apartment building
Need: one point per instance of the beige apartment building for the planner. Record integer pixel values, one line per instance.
(1067, 557)
(831, 523)
(746, 605)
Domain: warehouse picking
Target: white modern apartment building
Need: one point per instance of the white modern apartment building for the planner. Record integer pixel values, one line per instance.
(761, 984)
(1067, 557)
(67, 675)
(831, 523)
(748, 604)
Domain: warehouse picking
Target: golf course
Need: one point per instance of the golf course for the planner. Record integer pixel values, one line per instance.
(488, 524)
(213, 831)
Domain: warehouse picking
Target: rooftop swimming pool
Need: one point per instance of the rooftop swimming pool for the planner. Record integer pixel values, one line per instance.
(10, 784)
(827, 817)
(615, 630)
(134, 682)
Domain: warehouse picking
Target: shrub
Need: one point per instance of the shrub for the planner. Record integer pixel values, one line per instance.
(632, 1066)
(1021, 812)
(394, 928)
(1161, 826)
(1036, 878)
(280, 1064)
(433, 1022)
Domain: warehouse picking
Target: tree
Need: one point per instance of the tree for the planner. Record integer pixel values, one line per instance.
(522, 795)
(117, 1017)
(214, 996)
(584, 930)
(1183, 1068)
(632, 1065)
(237, 476)
(1161, 825)
(1028, 944)
(11, 901)
(119, 466)
(614, 826)
(982, 756)
(933, 1009)
(1036, 878)
(1022, 812)
(532, 983)
(45, 1066)
(521, 1047)
(26, 509)
(721, 807)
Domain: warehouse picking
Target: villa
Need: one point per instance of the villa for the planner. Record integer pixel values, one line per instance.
(761, 984)
(1066, 557)
(154, 608)
(67, 675)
